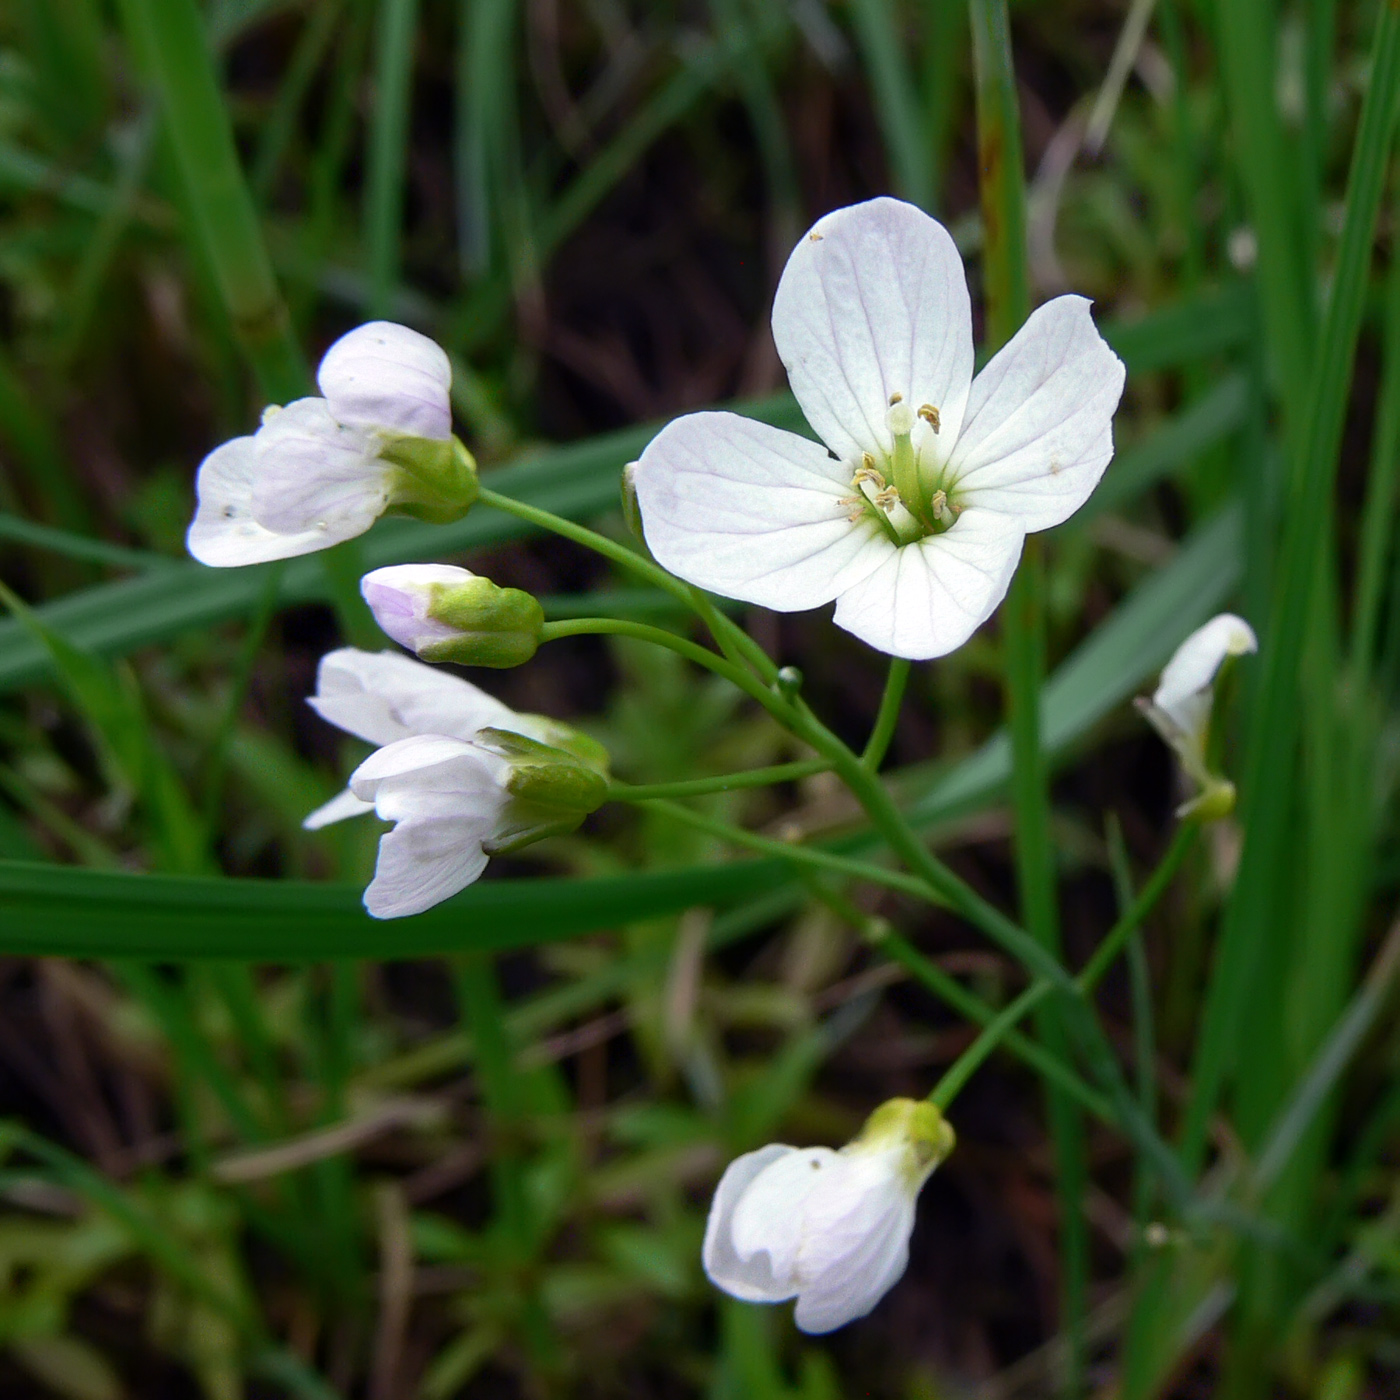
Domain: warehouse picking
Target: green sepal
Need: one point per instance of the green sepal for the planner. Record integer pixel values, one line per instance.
(550, 789)
(433, 481)
(915, 1125)
(495, 626)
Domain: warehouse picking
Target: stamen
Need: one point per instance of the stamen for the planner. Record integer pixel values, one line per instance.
(930, 416)
(869, 473)
(887, 499)
(941, 510)
(896, 398)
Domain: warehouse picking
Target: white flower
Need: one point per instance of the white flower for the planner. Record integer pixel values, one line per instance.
(322, 470)
(444, 613)
(830, 1229)
(914, 518)
(1180, 708)
(461, 775)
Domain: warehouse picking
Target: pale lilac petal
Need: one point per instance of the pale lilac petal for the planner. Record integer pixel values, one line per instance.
(927, 598)
(388, 377)
(225, 533)
(341, 806)
(752, 1278)
(385, 696)
(315, 474)
(873, 302)
(1039, 427)
(751, 512)
(399, 596)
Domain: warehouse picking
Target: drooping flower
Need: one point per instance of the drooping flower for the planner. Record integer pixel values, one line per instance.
(912, 510)
(829, 1228)
(324, 469)
(1180, 708)
(444, 613)
(461, 775)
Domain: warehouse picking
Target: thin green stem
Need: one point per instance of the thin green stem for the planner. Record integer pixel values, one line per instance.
(888, 715)
(659, 636)
(726, 782)
(993, 1034)
(797, 855)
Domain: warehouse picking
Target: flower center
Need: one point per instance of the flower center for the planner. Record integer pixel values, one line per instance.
(895, 493)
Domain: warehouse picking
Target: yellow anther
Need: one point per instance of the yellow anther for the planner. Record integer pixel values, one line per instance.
(814, 237)
(851, 501)
(930, 416)
(867, 461)
(868, 473)
(887, 499)
(896, 398)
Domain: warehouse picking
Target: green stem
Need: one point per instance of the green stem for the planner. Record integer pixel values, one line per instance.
(726, 782)
(659, 636)
(799, 855)
(888, 714)
(1094, 970)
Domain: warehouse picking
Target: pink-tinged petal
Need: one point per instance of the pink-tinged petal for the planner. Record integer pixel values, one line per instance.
(387, 377)
(873, 302)
(313, 473)
(225, 533)
(751, 512)
(385, 696)
(1039, 426)
(929, 597)
(751, 1278)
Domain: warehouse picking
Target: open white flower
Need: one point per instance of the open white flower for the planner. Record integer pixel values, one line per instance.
(913, 513)
(1180, 707)
(461, 775)
(324, 469)
(830, 1229)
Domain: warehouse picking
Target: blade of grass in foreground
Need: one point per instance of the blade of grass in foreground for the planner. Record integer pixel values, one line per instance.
(1007, 289)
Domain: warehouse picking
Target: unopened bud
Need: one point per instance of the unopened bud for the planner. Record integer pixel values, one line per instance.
(448, 614)
(788, 682)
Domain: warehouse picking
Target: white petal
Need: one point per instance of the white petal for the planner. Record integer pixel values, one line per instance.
(400, 595)
(853, 1286)
(750, 1279)
(873, 302)
(342, 805)
(383, 375)
(385, 696)
(1039, 427)
(771, 1214)
(445, 798)
(751, 512)
(1187, 676)
(225, 533)
(929, 597)
(314, 474)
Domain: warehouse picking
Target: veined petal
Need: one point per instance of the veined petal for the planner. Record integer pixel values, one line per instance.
(388, 377)
(751, 1279)
(926, 599)
(445, 798)
(873, 302)
(341, 806)
(225, 533)
(772, 1217)
(314, 473)
(1039, 426)
(855, 1283)
(385, 696)
(751, 512)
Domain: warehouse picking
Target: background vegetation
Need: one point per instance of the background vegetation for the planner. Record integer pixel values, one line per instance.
(255, 1144)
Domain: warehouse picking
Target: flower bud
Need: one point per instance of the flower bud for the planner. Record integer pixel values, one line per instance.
(631, 511)
(448, 614)
(550, 789)
(1180, 708)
